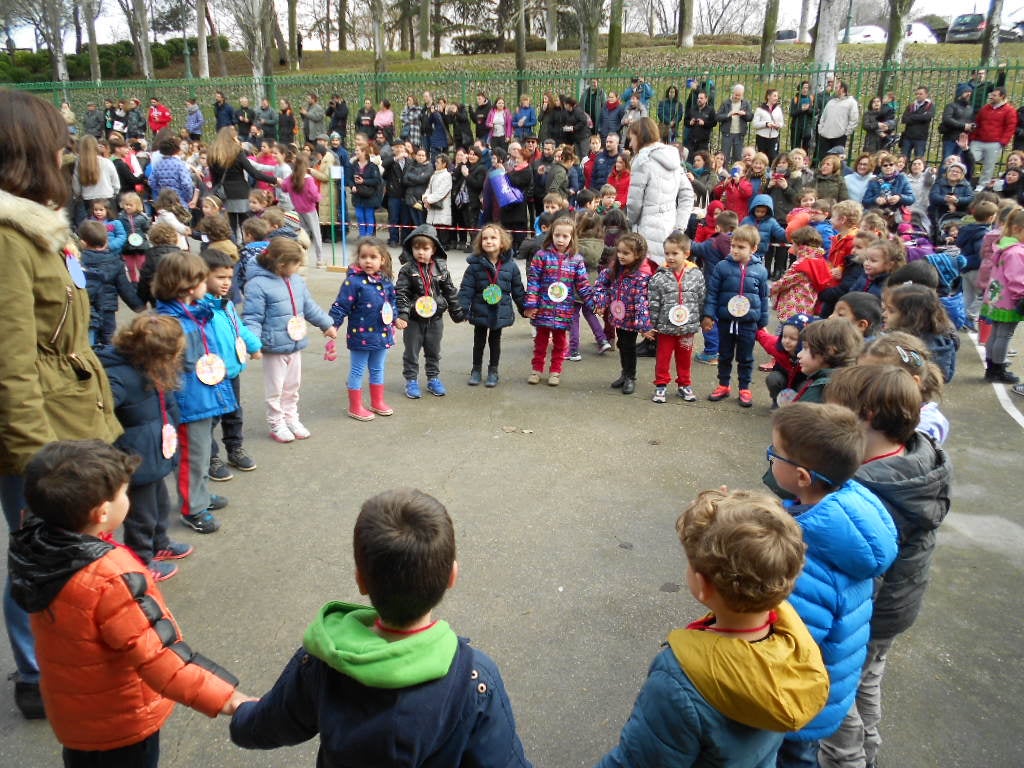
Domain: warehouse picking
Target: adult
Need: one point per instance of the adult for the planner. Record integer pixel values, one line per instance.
(857, 182)
(416, 179)
(93, 121)
(635, 111)
(670, 115)
(610, 118)
(957, 118)
(620, 178)
(228, 168)
(499, 124)
(981, 87)
(245, 119)
(551, 117)
(592, 99)
(995, 125)
(801, 118)
(474, 174)
(267, 120)
(394, 189)
(889, 191)
(194, 120)
(223, 112)
(95, 178)
(733, 118)
(436, 136)
(575, 128)
(364, 119)
(456, 117)
(839, 119)
(525, 118)
(700, 119)
(917, 118)
(515, 216)
(437, 199)
(483, 109)
(767, 123)
(313, 115)
(337, 112)
(412, 121)
(159, 116)
(605, 162)
(135, 121)
(642, 89)
(54, 387)
(951, 193)
(287, 129)
(129, 173)
(821, 100)
(660, 196)
(384, 120)
(172, 173)
(879, 124)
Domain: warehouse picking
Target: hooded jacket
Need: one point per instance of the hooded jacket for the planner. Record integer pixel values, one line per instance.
(706, 228)
(112, 658)
(410, 286)
(711, 700)
(851, 540)
(479, 274)
(730, 279)
(194, 120)
(664, 291)
(428, 699)
(768, 228)
(269, 305)
(914, 488)
(1005, 288)
(227, 327)
(660, 196)
(54, 387)
(106, 270)
(629, 287)
(361, 299)
(796, 292)
(968, 240)
(956, 115)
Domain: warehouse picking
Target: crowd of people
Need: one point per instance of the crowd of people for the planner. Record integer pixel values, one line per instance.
(853, 284)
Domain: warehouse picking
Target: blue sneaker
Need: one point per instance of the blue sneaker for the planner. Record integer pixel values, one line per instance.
(412, 389)
(436, 388)
(707, 359)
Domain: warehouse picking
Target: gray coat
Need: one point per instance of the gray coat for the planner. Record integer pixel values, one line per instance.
(660, 196)
(663, 294)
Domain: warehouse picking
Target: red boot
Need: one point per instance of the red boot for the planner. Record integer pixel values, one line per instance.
(355, 406)
(377, 404)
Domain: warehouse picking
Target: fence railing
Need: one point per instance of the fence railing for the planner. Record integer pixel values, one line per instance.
(863, 80)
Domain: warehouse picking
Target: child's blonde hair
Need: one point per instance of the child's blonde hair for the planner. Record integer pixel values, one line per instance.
(214, 202)
(849, 210)
(910, 353)
(607, 190)
(131, 197)
(504, 238)
(747, 234)
(745, 544)
(553, 198)
(561, 221)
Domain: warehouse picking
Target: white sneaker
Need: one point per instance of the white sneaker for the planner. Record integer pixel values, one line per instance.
(281, 433)
(298, 430)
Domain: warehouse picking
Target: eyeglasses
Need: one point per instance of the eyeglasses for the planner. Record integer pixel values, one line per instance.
(771, 455)
(909, 356)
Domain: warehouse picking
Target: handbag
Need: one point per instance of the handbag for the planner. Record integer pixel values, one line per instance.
(462, 198)
(504, 192)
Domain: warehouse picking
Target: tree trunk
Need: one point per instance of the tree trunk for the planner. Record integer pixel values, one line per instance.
(771, 23)
(279, 43)
(89, 11)
(805, 20)
(551, 26)
(201, 40)
(292, 57)
(614, 35)
(377, 25)
(133, 33)
(990, 41)
(342, 25)
(684, 31)
(425, 50)
(826, 38)
(520, 46)
(590, 25)
(896, 44)
(412, 36)
(222, 65)
(76, 19)
(436, 28)
(141, 30)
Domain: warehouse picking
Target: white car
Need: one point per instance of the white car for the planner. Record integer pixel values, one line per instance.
(920, 33)
(868, 34)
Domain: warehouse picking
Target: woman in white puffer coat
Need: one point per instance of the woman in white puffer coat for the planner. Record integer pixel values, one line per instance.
(660, 196)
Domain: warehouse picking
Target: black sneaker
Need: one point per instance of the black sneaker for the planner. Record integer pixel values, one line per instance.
(216, 502)
(219, 471)
(29, 700)
(201, 522)
(239, 459)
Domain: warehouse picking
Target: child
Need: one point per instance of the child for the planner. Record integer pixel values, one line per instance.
(163, 239)
(826, 345)
(863, 311)
(304, 192)
(969, 241)
(587, 200)
(490, 286)
(367, 298)
(737, 299)
(169, 210)
(730, 684)
(849, 275)
(621, 290)
(736, 191)
(796, 292)
(232, 335)
(911, 476)
(277, 308)
(106, 279)
(820, 218)
(116, 237)
(761, 216)
(91, 599)
(916, 309)
(179, 286)
(801, 215)
(707, 255)
(785, 375)
(911, 354)
(136, 225)
(217, 233)
(258, 196)
(609, 199)
(706, 228)
(424, 291)
(590, 240)
(1004, 298)
(255, 240)
(675, 298)
(390, 683)
(881, 258)
(144, 367)
(554, 274)
(851, 540)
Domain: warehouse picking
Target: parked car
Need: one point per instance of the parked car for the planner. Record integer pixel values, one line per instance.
(920, 33)
(787, 36)
(867, 34)
(966, 28)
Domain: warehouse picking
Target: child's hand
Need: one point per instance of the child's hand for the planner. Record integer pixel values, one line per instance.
(256, 356)
(649, 335)
(401, 324)
(836, 272)
(232, 704)
(529, 314)
(331, 333)
(707, 324)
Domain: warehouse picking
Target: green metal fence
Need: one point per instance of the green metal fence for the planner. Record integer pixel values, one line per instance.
(462, 85)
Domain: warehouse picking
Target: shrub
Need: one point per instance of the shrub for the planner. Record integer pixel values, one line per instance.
(161, 56)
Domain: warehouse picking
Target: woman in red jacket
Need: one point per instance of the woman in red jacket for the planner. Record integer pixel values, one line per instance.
(619, 178)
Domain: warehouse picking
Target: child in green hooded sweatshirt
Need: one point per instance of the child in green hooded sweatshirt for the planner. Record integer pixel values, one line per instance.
(390, 683)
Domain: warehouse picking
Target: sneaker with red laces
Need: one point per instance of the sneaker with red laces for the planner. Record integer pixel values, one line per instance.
(175, 550)
(721, 392)
(746, 398)
(162, 571)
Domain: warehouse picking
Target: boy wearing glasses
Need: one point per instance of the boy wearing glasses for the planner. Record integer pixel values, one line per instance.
(851, 540)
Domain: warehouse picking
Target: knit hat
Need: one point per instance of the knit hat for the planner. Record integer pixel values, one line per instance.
(335, 135)
(291, 218)
(958, 164)
(964, 88)
(837, 151)
(798, 321)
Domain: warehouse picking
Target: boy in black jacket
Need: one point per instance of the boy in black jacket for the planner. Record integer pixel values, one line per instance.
(106, 278)
(425, 289)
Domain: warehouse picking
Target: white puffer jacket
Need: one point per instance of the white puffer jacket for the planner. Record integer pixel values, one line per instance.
(439, 191)
(660, 196)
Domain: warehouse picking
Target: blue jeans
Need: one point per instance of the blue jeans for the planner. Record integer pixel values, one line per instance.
(19, 631)
(736, 340)
(912, 148)
(732, 146)
(797, 754)
(359, 359)
(711, 340)
(366, 219)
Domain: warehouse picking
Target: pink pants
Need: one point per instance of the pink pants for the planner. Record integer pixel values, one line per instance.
(560, 341)
(282, 375)
(680, 347)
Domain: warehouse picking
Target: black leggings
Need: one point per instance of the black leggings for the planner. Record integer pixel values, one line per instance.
(627, 351)
(484, 335)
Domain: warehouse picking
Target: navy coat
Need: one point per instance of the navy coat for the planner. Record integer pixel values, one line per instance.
(479, 274)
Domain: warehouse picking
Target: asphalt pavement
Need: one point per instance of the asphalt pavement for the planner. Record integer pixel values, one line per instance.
(571, 575)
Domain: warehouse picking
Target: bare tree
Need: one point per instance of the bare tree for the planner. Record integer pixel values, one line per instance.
(896, 43)
(342, 25)
(293, 33)
(551, 26)
(50, 20)
(425, 50)
(204, 51)
(253, 21)
(990, 42)
(826, 37)
(805, 21)
(771, 23)
(589, 15)
(720, 17)
(222, 65)
(377, 22)
(520, 45)
(684, 34)
(89, 10)
(615, 35)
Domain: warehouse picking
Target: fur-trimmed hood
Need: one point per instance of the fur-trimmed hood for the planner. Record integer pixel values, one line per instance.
(47, 228)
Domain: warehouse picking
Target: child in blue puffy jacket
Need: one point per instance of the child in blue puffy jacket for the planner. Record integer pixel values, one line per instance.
(277, 307)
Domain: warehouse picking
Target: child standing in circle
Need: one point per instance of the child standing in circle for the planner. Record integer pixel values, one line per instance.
(675, 298)
(490, 286)
(277, 307)
(554, 273)
(1004, 298)
(622, 291)
(367, 298)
